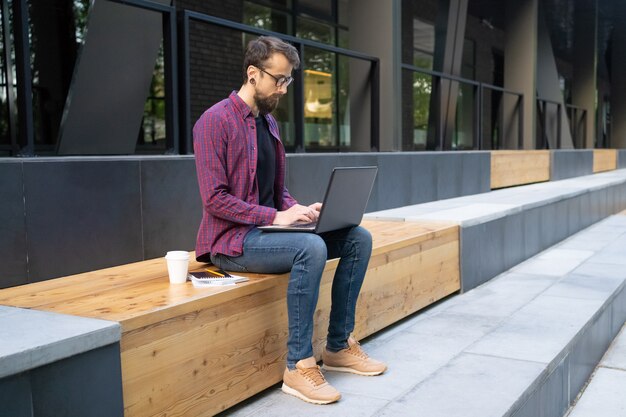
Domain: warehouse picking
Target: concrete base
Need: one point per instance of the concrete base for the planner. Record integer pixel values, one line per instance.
(501, 228)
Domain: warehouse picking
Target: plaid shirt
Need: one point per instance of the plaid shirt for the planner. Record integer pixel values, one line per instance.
(224, 141)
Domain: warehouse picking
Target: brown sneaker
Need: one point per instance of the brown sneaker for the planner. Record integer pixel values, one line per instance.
(352, 359)
(308, 383)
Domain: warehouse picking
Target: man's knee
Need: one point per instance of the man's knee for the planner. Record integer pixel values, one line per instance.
(313, 247)
(363, 237)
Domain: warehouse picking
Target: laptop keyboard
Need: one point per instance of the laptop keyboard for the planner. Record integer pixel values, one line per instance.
(303, 225)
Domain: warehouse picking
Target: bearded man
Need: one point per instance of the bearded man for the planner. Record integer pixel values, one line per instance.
(240, 163)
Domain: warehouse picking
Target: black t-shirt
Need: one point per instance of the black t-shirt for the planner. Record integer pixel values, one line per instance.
(266, 162)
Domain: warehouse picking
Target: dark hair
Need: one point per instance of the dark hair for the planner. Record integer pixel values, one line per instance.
(261, 49)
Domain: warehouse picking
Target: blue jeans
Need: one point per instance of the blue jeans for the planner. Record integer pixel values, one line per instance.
(305, 255)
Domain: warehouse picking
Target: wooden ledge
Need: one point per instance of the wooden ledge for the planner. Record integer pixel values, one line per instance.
(510, 168)
(604, 160)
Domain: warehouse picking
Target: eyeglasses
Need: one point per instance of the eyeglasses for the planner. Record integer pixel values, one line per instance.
(280, 81)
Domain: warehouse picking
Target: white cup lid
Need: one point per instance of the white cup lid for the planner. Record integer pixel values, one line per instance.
(177, 254)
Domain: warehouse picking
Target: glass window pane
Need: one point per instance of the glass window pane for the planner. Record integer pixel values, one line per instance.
(152, 137)
(422, 60)
(264, 17)
(343, 102)
(315, 31)
(422, 88)
(463, 136)
(320, 125)
(423, 36)
(320, 8)
(423, 44)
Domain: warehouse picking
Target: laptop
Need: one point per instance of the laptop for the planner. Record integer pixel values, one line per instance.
(344, 203)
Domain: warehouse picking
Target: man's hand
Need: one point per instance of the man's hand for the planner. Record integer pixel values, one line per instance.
(297, 213)
(317, 207)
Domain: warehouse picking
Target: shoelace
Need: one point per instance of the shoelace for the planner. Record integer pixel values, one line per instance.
(314, 375)
(356, 350)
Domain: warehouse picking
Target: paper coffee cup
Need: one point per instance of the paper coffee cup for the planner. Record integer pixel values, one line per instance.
(177, 266)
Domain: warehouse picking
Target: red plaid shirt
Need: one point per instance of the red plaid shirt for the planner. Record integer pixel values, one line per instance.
(224, 141)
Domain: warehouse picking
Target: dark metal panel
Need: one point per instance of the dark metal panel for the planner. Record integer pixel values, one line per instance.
(15, 396)
(561, 220)
(570, 163)
(475, 173)
(553, 394)
(621, 158)
(105, 104)
(574, 223)
(448, 174)
(471, 249)
(81, 215)
(618, 312)
(493, 247)
(395, 180)
(532, 232)
(85, 385)
(171, 205)
(514, 240)
(421, 178)
(547, 234)
(13, 270)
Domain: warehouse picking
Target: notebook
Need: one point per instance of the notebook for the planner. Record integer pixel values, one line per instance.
(214, 277)
(344, 203)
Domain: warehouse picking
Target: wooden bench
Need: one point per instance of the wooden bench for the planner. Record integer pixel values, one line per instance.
(604, 160)
(197, 351)
(509, 168)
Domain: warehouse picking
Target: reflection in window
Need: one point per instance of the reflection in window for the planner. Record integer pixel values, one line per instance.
(423, 44)
(264, 17)
(422, 88)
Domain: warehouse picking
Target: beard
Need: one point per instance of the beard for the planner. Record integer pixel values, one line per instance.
(266, 104)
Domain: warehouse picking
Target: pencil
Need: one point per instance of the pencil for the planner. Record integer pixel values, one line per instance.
(215, 272)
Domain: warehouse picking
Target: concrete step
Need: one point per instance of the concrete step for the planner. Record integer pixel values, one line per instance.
(502, 228)
(523, 344)
(605, 393)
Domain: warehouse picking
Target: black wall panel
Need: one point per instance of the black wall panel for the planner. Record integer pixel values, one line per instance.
(570, 163)
(81, 216)
(85, 385)
(13, 269)
(15, 396)
(171, 205)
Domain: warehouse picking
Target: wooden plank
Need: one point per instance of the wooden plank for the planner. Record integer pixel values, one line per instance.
(604, 160)
(191, 351)
(510, 168)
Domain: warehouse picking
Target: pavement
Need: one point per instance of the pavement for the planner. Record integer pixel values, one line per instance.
(522, 344)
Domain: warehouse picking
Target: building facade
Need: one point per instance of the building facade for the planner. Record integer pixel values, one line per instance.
(450, 74)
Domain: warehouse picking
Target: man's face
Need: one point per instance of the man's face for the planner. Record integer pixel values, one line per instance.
(266, 93)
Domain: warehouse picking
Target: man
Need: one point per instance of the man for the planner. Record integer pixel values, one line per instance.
(240, 162)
